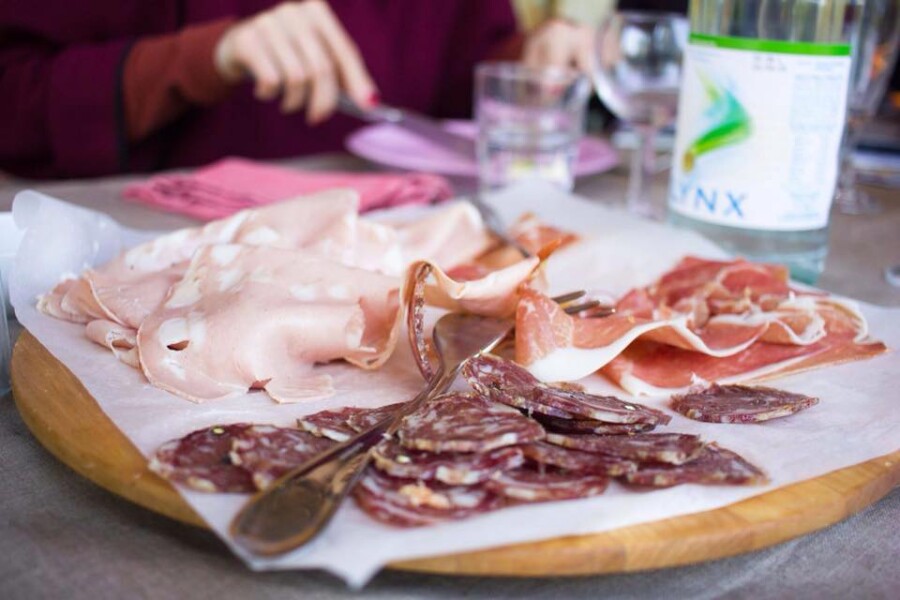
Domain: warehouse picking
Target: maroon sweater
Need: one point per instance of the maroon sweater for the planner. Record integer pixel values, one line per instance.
(100, 87)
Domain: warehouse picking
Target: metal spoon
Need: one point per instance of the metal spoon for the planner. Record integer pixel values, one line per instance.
(298, 506)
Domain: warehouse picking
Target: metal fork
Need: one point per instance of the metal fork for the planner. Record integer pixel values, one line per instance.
(299, 505)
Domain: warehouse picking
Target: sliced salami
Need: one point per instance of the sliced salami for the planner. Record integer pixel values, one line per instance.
(450, 468)
(557, 425)
(410, 503)
(465, 423)
(714, 465)
(365, 419)
(671, 448)
(739, 404)
(269, 452)
(530, 484)
(414, 300)
(331, 424)
(542, 453)
(200, 460)
(506, 382)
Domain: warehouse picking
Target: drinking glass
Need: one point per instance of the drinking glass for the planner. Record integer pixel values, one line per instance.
(637, 74)
(529, 123)
(874, 56)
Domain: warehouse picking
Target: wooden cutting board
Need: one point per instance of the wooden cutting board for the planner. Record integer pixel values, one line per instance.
(70, 424)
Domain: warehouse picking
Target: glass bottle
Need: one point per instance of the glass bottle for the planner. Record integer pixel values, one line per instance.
(760, 118)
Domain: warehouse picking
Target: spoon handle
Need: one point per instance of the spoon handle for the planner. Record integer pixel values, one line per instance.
(294, 509)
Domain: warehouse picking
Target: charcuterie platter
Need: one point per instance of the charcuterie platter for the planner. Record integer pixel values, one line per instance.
(70, 424)
(221, 357)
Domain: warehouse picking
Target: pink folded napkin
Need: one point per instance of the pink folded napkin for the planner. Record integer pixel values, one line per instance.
(233, 184)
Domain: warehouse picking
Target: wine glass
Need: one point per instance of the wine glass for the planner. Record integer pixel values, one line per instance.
(637, 75)
(874, 56)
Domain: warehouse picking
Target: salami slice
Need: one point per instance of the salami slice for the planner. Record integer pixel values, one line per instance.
(269, 452)
(365, 419)
(506, 382)
(671, 448)
(542, 453)
(465, 423)
(414, 300)
(714, 465)
(740, 404)
(200, 460)
(331, 424)
(451, 468)
(410, 503)
(557, 425)
(529, 484)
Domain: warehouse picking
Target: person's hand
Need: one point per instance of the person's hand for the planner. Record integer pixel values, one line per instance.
(560, 43)
(300, 50)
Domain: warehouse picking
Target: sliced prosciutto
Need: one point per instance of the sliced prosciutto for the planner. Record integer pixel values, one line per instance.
(255, 317)
(656, 369)
(702, 321)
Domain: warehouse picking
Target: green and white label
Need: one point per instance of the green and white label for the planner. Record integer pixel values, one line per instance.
(759, 132)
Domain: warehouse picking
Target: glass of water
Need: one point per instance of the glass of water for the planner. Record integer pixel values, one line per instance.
(637, 75)
(529, 123)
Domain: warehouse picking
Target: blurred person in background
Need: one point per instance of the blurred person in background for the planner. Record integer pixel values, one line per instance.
(99, 87)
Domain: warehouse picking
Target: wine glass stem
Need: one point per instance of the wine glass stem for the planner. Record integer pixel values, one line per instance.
(847, 176)
(643, 163)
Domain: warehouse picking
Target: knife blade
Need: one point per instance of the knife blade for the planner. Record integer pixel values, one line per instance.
(425, 127)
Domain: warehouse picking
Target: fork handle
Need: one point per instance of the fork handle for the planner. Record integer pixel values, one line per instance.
(298, 506)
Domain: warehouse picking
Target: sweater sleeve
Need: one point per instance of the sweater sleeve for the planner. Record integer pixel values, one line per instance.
(58, 108)
(164, 75)
(71, 110)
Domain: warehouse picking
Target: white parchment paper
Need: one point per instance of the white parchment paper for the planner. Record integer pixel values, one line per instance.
(857, 418)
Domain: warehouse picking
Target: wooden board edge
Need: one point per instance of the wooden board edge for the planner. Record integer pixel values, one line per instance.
(746, 526)
(134, 481)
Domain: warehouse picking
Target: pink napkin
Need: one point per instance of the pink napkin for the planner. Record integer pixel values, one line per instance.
(233, 184)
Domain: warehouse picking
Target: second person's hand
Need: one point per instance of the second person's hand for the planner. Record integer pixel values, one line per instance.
(300, 50)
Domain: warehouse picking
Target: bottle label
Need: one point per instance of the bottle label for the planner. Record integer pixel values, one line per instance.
(759, 132)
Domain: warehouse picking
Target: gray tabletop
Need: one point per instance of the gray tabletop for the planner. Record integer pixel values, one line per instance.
(63, 537)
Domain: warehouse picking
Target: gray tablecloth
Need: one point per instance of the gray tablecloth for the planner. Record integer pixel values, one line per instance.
(63, 537)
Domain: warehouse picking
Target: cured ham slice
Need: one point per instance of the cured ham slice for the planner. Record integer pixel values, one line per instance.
(655, 369)
(538, 237)
(245, 317)
(704, 320)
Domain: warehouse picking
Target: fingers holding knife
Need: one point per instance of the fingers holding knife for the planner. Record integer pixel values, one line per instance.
(300, 51)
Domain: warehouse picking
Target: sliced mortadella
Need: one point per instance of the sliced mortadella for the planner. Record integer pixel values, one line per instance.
(129, 287)
(495, 294)
(449, 237)
(71, 300)
(245, 317)
(120, 339)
